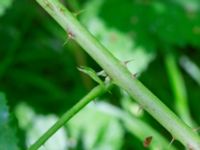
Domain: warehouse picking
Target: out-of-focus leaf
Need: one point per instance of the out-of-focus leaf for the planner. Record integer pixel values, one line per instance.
(35, 125)
(100, 129)
(4, 4)
(8, 141)
(120, 43)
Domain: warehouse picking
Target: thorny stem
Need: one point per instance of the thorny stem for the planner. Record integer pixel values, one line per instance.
(120, 74)
(95, 92)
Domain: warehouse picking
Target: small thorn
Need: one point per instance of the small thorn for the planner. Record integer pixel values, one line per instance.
(140, 108)
(171, 142)
(128, 61)
(78, 13)
(196, 129)
(135, 75)
(69, 37)
(65, 43)
(102, 73)
(147, 141)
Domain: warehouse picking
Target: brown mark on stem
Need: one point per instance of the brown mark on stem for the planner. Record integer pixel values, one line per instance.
(128, 61)
(135, 75)
(147, 141)
(70, 36)
(190, 147)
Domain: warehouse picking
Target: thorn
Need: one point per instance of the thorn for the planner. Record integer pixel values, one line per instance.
(107, 80)
(147, 141)
(171, 142)
(78, 13)
(140, 108)
(102, 73)
(135, 75)
(196, 129)
(65, 43)
(128, 61)
(69, 37)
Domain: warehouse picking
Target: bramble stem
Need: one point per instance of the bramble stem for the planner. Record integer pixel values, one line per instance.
(95, 92)
(120, 74)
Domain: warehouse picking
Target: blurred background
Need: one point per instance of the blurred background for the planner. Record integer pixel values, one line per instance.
(39, 79)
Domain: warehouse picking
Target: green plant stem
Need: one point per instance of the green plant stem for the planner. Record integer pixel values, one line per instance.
(191, 68)
(95, 92)
(179, 89)
(120, 74)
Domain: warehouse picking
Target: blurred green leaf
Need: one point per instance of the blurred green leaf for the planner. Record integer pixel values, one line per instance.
(4, 4)
(116, 38)
(35, 125)
(100, 129)
(8, 140)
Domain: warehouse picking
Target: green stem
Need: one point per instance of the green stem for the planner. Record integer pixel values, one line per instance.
(120, 74)
(95, 92)
(191, 68)
(179, 89)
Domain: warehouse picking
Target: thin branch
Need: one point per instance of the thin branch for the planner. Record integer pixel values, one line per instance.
(95, 92)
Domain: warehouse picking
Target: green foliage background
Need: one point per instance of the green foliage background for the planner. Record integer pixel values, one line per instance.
(39, 79)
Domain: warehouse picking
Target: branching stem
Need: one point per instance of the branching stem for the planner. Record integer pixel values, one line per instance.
(120, 75)
(95, 92)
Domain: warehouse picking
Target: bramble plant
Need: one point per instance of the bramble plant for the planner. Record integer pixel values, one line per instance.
(110, 45)
(120, 76)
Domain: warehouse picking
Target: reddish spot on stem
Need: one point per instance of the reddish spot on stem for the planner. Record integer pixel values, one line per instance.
(147, 141)
(70, 35)
(190, 147)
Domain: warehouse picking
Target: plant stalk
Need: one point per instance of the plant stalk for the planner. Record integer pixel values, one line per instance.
(120, 74)
(95, 92)
(179, 88)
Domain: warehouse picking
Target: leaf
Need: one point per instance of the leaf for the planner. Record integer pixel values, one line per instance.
(8, 140)
(4, 4)
(89, 71)
(99, 127)
(35, 125)
(118, 36)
